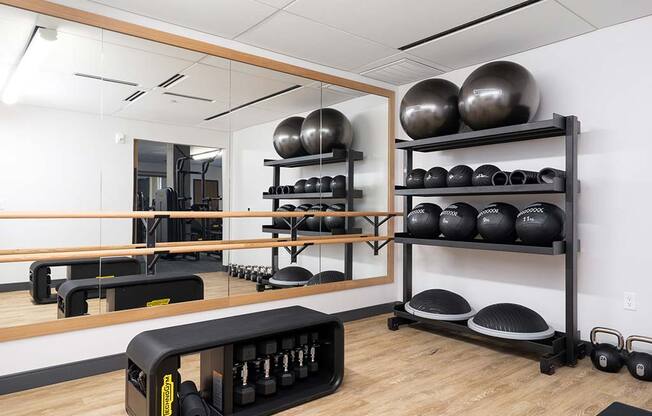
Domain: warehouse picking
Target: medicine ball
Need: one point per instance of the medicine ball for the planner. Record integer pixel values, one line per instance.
(430, 109)
(324, 184)
(483, 174)
(338, 184)
(326, 127)
(287, 138)
(458, 221)
(460, 175)
(335, 223)
(279, 222)
(303, 208)
(435, 178)
(498, 94)
(497, 221)
(414, 178)
(311, 185)
(316, 223)
(540, 223)
(423, 221)
(300, 186)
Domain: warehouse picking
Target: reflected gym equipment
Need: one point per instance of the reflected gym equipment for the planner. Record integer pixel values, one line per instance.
(316, 223)
(540, 223)
(299, 186)
(435, 178)
(483, 175)
(280, 222)
(440, 304)
(311, 185)
(500, 178)
(510, 321)
(324, 184)
(415, 178)
(460, 175)
(498, 94)
(335, 223)
(328, 276)
(287, 138)
(497, 222)
(339, 183)
(290, 276)
(430, 108)
(607, 357)
(548, 175)
(423, 220)
(324, 130)
(458, 221)
(523, 177)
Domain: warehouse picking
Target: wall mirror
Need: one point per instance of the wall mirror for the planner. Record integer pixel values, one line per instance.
(97, 120)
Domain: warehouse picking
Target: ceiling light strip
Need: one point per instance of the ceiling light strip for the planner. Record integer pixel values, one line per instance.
(190, 97)
(468, 24)
(99, 78)
(267, 97)
(133, 97)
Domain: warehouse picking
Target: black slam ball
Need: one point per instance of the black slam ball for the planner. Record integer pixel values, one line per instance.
(335, 223)
(287, 138)
(435, 178)
(324, 130)
(324, 184)
(458, 221)
(460, 175)
(316, 223)
(423, 221)
(311, 185)
(430, 108)
(540, 223)
(414, 178)
(483, 174)
(497, 221)
(280, 222)
(339, 183)
(300, 186)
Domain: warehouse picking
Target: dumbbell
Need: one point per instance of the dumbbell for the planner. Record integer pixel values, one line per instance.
(265, 383)
(247, 274)
(284, 375)
(244, 393)
(607, 357)
(299, 357)
(241, 272)
(313, 365)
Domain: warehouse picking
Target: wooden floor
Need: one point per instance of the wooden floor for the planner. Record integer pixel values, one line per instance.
(16, 308)
(408, 372)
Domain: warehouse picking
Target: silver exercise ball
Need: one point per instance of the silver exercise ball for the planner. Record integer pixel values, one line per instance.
(430, 109)
(287, 138)
(328, 126)
(498, 94)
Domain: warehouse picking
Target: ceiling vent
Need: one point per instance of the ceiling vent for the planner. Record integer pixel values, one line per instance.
(99, 78)
(190, 97)
(175, 79)
(133, 97)
(403, 71)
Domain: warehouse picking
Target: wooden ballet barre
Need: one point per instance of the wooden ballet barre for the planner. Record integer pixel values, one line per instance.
(85, 254)
(17, 215)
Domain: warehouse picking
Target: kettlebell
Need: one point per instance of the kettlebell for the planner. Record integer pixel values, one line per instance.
(607, 357)
(639, 363)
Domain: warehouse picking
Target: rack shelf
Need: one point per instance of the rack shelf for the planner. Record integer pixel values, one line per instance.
(557, 187)
(557, 247)
(276, 230)
(556, 126)
(336, 156)
(315, 195)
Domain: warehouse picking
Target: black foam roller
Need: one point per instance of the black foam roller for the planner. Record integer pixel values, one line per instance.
(190, 402)
(271, 190)
(522, 177)
(548, 175)
(500, 178)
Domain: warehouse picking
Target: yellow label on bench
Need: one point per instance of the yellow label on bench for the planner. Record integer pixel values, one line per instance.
(158, 302)
(167, 395)
(105, 277)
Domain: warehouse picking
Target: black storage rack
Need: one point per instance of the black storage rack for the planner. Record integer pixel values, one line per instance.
(157, 354)
(561, 348)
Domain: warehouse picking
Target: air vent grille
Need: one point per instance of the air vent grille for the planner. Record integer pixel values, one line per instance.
(402, 72)
(171, 81)
(99, 78)
(133, 97)
(190, 97)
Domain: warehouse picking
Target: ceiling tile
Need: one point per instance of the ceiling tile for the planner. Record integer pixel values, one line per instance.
(224, 18)
(395, 22)
(302, 38)
(149, 46)
(530, 27)
(279, 4)
(603, 13)
(204, 81)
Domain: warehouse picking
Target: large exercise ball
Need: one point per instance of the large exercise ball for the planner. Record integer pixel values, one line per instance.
(414, 178)
(335, 223)
(435, 178)
(483, 174)
(460, 175)
(280, 222)
(430, 109)
(540, 223)
(497, 222)
(316, 223)
(287, 138)
(326, 126)
(423, 220)
(498, 94)
(458, 221)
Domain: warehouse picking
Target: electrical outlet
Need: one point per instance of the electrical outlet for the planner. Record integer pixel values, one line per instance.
(629, 301)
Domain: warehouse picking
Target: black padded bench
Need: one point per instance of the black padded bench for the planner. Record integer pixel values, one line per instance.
(129, 292)
(40, 279)
(620, 409)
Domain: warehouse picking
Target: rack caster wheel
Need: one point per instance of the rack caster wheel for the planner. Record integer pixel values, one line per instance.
(547, 368)
(392, 324)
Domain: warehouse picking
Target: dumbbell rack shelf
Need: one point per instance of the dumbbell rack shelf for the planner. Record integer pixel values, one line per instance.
(562, 348)
(348, 157)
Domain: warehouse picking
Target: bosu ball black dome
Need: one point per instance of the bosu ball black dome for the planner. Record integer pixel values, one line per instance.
(510, 321)
(440, 304)
(328, 276)
(291, 276)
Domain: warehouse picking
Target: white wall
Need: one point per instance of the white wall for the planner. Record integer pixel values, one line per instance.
(603, 78)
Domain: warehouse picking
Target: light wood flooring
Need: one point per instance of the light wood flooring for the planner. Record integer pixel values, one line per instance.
(408, 372)
(16, 308)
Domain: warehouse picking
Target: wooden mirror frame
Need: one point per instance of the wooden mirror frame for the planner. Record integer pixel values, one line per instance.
(120, 317)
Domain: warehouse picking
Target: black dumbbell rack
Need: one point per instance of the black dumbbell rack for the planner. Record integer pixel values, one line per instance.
(348, 157)
(157, 354)
(562, 348)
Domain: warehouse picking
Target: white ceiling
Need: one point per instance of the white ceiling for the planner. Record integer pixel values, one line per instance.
(356, 35)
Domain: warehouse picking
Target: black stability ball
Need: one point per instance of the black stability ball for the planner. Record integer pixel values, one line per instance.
(327, 127)
(335, 223)
(414, 178)
(338, 184)
(435, 178)
(423, 221)
(458, 221)
(311, 185)
(300, 186)
(291, 276)
(483, 174)
(316, 223)
(287, 138)
(460, 175)
(497, 221)
(279, 222)
(328, 276)
(498, 94)
(430, 109)
(324, 184)
(510, 321)
(540, 223)
(440, 304)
